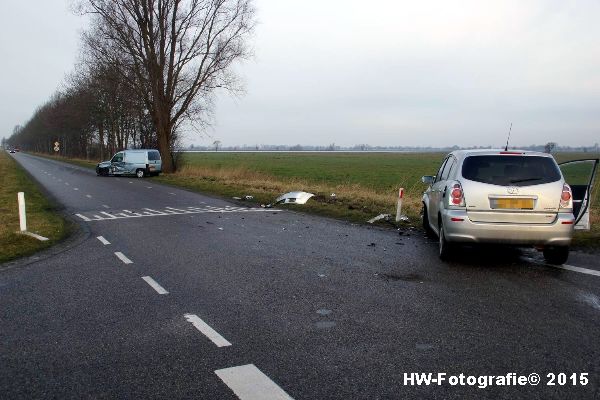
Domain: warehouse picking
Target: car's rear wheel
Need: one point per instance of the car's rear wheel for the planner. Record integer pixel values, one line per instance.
(140, 173)
(426, 227)
(556, 255)
(446, 248)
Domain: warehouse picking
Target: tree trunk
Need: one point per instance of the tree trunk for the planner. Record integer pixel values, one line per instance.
(162, 122)
(101, 139)
(165, 150)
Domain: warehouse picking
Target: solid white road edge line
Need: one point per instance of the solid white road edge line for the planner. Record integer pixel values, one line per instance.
(34, 235)
(159, 289)
(249, 383)
(123, 258)
(566, 267)
(102, 240)
(207, 331)
(576, 269)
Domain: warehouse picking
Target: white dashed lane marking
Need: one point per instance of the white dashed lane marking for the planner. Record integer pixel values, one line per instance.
(207, 331)
(88, 196)
(83, 217)
(102, 240)
(159, 289)
(249, 383)
(149, 212)
(123, 258)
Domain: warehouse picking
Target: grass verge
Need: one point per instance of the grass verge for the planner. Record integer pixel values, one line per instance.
(42, 217)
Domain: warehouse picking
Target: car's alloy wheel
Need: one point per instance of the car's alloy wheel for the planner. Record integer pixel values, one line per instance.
(139, 173)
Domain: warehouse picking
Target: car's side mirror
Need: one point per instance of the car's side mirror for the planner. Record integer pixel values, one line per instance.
(428, 179)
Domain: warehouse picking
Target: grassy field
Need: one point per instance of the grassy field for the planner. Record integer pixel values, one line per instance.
(41, 216)
(365, 184)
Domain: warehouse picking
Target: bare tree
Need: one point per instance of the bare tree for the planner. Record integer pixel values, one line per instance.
(217, 143)
(179, 52)
(549, 147)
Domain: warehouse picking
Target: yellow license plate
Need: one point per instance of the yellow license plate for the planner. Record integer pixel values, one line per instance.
(513, 204)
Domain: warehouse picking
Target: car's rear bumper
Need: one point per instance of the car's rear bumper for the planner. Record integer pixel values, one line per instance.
(459, 228)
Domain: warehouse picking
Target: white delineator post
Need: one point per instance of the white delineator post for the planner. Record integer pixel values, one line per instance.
(22, 216)
(399, 206)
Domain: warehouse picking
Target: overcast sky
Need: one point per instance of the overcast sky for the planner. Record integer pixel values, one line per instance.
(381, 72)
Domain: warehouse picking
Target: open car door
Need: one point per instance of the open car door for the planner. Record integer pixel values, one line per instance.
(581, 176)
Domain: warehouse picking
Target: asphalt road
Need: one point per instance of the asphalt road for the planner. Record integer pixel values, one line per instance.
(269, 304)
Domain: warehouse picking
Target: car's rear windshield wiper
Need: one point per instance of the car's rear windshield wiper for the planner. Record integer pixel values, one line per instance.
(524, 180)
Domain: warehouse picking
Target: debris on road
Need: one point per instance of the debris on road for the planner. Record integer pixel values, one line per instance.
(246, 197)
(380, 217)
(371, 245)
(294, 198)
(333, 195)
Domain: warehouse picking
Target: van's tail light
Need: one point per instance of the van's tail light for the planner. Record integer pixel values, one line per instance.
(457, 197)
(566, 197)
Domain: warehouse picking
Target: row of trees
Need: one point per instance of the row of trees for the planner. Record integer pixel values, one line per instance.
(148, 68)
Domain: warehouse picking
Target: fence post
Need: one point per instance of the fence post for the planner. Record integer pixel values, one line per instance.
(22, 216)
(399, 206)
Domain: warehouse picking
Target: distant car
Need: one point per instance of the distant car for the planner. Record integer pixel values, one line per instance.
(519, 198)
(141, 163)
(17, 149)
(12, 151)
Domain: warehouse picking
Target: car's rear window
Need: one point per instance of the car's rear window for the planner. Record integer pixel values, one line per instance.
(153, 155)
(510, 170)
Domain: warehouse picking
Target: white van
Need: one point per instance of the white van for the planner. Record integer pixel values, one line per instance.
(141, 163)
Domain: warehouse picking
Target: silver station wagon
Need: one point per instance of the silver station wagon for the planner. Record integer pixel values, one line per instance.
(519, 198)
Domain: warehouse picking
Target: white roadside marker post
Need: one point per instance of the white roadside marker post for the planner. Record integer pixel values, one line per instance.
(22, 215)
(399, 206)
(23, 219)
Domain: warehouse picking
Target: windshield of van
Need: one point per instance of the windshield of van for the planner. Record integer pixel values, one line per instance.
(510, 170)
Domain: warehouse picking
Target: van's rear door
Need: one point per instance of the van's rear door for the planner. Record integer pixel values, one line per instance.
(581, 176)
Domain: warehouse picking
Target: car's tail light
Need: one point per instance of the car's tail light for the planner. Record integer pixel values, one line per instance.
(566, 197)
(457, 197)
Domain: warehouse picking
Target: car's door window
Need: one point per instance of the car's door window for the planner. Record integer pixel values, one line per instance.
(580, 175)
(447, 168)
(438, 176)
(117, 158)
